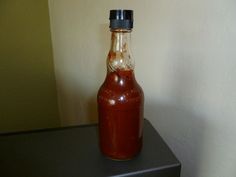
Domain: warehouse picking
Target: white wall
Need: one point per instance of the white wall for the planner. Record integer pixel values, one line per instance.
(185, 61)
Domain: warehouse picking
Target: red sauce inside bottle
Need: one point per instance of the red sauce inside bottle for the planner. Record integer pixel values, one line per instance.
(120, 108)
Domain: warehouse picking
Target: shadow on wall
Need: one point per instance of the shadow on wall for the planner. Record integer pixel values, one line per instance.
(92, 109)
(104, 40)
(78, 95)
(77, 106)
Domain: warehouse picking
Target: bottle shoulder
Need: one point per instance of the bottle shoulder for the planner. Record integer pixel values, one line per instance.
(121, 82)
(126, 100)
(120, 88)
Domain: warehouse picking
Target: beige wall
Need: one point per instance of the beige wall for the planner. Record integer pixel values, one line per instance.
(27, 82)
(185, 61)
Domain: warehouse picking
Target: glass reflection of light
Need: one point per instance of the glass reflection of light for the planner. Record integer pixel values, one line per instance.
(122, 98)
(112, 102)
(116, 78)
(121, 82)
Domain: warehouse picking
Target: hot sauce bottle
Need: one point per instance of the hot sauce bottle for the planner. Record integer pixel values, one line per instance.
(120, 98)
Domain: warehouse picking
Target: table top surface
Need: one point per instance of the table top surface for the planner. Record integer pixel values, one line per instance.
(74, 151)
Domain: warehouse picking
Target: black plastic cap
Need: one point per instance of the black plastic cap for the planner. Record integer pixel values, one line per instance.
(121, 19)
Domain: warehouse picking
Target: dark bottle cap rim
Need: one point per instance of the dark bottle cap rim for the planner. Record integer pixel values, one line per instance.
(121, 19)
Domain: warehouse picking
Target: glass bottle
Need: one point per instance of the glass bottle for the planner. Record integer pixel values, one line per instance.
(120, 98)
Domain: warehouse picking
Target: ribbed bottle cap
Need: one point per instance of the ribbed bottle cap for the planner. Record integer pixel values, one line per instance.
(121, 19)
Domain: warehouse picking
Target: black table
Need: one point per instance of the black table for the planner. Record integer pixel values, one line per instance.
(74, 152)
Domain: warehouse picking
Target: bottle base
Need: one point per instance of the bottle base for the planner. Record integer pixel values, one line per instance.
(120, 159)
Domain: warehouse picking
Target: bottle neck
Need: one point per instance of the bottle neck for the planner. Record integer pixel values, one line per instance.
(120, 40)
(119, 57)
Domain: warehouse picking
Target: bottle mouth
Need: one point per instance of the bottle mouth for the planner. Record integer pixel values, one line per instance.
(121, 19)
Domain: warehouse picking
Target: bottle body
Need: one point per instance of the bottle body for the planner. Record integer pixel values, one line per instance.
(120, 107)
(120, 103)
